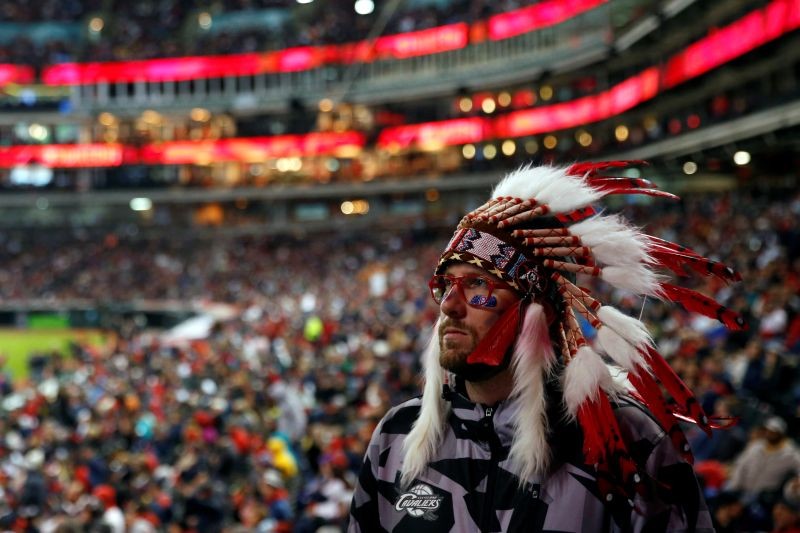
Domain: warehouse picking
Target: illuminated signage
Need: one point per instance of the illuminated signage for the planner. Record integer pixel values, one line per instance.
(252, 149)
(537, 16)
(15, 74)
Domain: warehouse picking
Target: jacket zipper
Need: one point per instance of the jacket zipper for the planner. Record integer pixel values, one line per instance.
(491, 477)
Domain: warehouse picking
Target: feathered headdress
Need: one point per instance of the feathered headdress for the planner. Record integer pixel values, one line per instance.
(537, 233)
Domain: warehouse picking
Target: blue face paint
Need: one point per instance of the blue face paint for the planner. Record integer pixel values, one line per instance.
(483, 301)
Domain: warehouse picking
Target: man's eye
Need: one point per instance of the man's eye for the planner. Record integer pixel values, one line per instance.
(476, 283)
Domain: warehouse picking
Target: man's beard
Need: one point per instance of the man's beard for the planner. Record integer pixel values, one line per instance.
(453, 355)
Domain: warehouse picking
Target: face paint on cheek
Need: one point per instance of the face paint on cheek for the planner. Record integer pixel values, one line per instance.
(483, 301)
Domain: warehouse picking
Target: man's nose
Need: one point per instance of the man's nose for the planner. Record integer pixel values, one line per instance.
(453, 304)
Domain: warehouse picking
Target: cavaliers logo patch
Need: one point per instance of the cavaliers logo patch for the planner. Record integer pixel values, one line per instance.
(419, 501)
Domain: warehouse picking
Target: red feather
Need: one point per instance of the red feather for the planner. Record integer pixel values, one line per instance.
(678, 262)
(650, 393)
(687, 403)
(594, 434)
(694, 301)
(591, 168)
(666, 251)
(672, 246)
(604, 449)
(634, 190)
(673, 262)
(575, 216)
(607, 182)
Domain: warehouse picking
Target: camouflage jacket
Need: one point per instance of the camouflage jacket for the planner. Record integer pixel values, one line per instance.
(468, 488)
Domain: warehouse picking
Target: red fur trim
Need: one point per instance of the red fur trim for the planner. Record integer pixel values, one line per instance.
(494, 345)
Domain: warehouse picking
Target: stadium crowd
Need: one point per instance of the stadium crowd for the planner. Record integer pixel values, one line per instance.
(261, 426)
(146, 30)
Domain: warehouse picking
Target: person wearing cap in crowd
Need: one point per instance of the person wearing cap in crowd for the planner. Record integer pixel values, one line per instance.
(522, 425)
(766, 463)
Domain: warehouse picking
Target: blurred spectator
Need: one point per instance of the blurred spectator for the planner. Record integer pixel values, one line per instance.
(112, 514)
(292, 418)
(785, 518)
(766, 463)
(728, 514)
(328, 495)
(791, 491)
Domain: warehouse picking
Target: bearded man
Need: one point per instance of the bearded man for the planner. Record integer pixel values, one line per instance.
(523, 425)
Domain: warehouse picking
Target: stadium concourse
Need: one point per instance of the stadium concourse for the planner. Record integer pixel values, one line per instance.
(262, 425)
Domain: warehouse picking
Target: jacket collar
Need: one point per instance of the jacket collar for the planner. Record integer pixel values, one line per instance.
(469, 414)
(565, 436)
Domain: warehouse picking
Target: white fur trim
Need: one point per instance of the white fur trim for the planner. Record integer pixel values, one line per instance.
(548, 185)
(421, 442)
(531, 362)
(584, 376)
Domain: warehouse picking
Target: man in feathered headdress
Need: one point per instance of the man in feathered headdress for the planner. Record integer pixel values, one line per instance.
(523, 425)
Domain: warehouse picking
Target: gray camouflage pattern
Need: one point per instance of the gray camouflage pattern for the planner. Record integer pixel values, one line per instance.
(469, 486)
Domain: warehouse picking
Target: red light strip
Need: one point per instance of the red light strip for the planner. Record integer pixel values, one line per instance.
(435, 134)
(252, 149)
(399, 46)
(724, 45)
(15, 74)
(721, 46)
(620, 98)
(537, 16)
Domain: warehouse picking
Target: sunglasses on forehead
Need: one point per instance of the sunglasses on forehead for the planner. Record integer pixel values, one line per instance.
(474, 288)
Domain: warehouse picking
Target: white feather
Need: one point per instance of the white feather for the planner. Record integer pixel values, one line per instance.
(548, 185)
(518, 183)
(619, 350)
(422, 441)
(638, 279)
(613, 241)
(633, 330)
(532, 361)
(568, 193)
(584, 376)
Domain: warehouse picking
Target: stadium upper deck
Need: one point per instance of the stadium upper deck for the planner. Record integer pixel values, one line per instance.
(687, 99)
